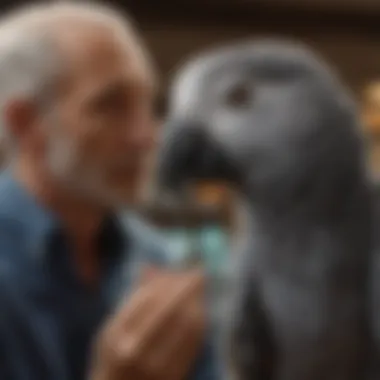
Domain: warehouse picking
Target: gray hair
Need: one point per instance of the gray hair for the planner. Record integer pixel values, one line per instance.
(30, 62)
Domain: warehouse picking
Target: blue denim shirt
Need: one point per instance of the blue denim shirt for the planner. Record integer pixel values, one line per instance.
(48, 318)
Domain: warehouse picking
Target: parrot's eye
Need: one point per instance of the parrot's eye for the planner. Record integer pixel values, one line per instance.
(238, 96)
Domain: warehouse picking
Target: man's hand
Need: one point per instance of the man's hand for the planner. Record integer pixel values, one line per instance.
(157, 334)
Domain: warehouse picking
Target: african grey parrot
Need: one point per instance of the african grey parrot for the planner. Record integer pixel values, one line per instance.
(271, 119)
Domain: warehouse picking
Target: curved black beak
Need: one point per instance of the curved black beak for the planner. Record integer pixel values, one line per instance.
(188, 154)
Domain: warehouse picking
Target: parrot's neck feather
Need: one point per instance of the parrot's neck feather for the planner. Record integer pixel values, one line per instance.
(301, 231)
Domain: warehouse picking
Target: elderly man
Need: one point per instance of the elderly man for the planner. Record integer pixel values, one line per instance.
(76, 100)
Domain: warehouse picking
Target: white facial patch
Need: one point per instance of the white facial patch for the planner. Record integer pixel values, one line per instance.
(186, 96)
(224, 128)
(67, 165)
(182, 98)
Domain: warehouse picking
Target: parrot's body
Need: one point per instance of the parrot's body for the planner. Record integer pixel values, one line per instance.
(375, 287)
(273, 121)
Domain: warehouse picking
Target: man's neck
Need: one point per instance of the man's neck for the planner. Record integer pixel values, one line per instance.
(80, 219)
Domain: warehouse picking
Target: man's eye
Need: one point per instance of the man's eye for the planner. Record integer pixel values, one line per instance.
(111, 104)
(239, 96)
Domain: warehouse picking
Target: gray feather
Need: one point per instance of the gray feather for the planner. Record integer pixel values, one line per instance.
(283, 131)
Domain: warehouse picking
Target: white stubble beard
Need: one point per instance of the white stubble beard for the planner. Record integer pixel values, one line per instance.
(66, 165)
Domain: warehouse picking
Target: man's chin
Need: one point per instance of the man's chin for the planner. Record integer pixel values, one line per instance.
(104, 192)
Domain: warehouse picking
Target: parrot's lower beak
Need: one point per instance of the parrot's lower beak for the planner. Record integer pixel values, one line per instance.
(188, 155)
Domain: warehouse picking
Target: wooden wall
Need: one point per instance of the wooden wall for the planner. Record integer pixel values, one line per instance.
(350, 41)
(357, 57)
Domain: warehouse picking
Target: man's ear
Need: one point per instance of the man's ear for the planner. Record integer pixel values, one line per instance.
(20, 115)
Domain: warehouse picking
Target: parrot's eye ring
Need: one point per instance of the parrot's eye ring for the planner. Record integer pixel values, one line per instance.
(238, 96)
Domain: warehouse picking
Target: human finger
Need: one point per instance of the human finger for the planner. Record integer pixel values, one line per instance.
(157, 322)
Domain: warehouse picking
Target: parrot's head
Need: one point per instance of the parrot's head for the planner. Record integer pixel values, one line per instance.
(268, 116)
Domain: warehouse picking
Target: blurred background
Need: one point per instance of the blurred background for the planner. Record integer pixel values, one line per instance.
(345, 32)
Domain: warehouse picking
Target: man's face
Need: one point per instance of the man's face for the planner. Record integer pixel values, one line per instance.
(102, 126)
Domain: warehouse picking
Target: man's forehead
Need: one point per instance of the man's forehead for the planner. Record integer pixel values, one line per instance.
(102, 56)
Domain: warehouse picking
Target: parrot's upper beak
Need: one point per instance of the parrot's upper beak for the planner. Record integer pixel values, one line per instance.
(188, 155)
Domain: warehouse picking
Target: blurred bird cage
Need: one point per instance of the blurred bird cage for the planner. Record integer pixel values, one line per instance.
(371, 122)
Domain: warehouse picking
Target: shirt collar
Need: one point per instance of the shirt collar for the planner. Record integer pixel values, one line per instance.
(38, 224)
